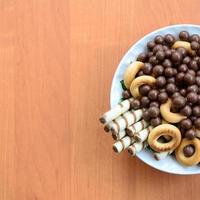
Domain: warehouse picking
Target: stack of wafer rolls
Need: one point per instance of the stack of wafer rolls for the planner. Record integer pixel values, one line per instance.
(127, 127)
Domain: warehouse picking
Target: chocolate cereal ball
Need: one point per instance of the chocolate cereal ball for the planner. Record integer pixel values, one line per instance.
(158, 70)
(154, 112)
(179, 102)
(159, 39)
(195, 37)
(190, 134)
(160, 55)
(144, 102)
(197, 123)
(151, 45)
(170, 88)
(156, 121)
(186, 110)
(153, 94)
(196, 111)
(186, 124)
(144, 89)
(142, 57)
(192, 97)
(189, 79)
(184, 35)
(147, 69)
(161, 81)
(169, 39)
(162, 97)
(146, 116)
(188, 151)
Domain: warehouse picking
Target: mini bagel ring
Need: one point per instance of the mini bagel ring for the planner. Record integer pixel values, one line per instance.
(188, 161)
(162, 130)
(131, 72)
(185, 45)
(141, 80)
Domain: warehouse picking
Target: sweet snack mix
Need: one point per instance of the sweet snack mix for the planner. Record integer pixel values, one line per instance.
(160, 108)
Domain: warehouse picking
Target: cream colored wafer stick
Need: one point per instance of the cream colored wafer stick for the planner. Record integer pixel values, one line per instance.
(116, 111)
(125, 120)
(137, 147)
(161, 155)
(143, 134)
(122, 144)
(118, 136)
(138, 126)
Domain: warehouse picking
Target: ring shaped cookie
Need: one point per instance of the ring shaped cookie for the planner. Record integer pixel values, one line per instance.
(188, 161)
(162, 130)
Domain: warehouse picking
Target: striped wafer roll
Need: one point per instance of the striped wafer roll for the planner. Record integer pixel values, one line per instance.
(143, 134)
(118, 136)
(116, 111)
(125, 120)
(122, 144)
(136, 148)
(138, 126)
(161, 155)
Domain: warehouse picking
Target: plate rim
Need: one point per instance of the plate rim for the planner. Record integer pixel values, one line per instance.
(117, 72)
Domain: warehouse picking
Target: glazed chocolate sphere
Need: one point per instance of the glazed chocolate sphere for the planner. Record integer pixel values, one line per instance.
(198, 73)
(184, 35)
(157, 47)
(190, 134)
(126, 94)
(159, 39)
(171, 80)
(154, 104)
(169, 72)
(151, 45)
(144, 102)
(188, 151)
(182, 51)
(146, 116)
(179, 77)
(186, 60)
(196, 111)
(192, 72)
(192, 97)
(158, 70)
(175, 94)
(197, 80)
(193, 118)
(153, 60)
(168, 53)
(167, 63)
(183, 92)
(144, 90)
(160, 55)
(153, 94)
(147, 69)
(186, 124)
(154, 112)
(169, 39)
(162, 97)
(192, 88)
(156, 121)
(186, 110)
(140, 73)
(176, 57)
(189, 79)
(183, 68)
(193, 65)
(160, 81)
(149, 54)
(170, 88)
(179, 102)
(197, 123)
(135, 104)
(195, 45)
(142, 57)
(195, 37)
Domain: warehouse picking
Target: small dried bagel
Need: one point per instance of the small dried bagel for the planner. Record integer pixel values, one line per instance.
(185, 45)
(131, 72)
(162, 130)
(168, 115)
(141, 80)
(192, 160)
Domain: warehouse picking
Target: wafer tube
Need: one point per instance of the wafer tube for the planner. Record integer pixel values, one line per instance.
(143, 134)
(122, 144)
(116, 111)
(161, 155)
(136, 148)
(118, 136)
(125, 120)
(138, 126)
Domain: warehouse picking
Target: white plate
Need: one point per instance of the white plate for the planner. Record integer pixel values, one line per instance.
(168, 164)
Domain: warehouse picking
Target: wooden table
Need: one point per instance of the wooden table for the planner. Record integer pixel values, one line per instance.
(57, 59)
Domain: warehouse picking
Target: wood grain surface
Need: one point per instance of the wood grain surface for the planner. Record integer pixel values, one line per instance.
(57, 59)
